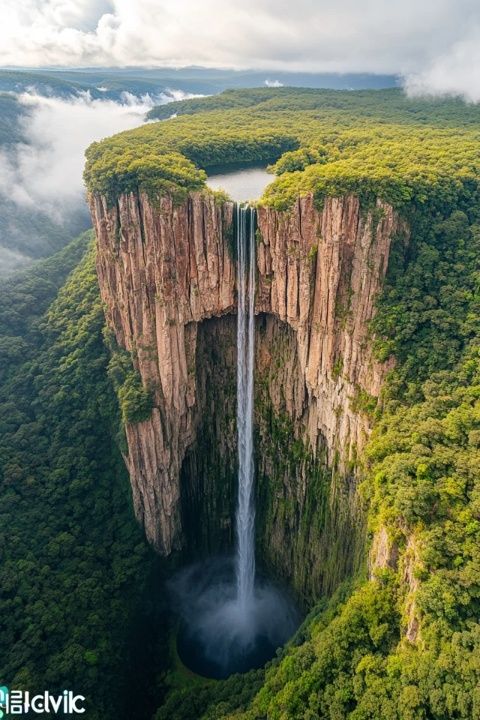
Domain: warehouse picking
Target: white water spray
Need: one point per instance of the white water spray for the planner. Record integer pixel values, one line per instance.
(245, 519)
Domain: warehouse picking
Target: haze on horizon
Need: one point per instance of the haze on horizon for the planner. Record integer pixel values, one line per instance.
(434, 45)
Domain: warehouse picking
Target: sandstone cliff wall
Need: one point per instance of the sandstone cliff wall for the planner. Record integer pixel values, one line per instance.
(164, 269)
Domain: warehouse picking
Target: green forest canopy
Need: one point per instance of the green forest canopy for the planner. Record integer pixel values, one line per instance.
(353, 660)
(86, 571)
(74, 565)
(375, 143)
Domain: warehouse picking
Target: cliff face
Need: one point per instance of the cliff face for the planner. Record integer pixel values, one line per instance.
(164, 270)
(161, 271)
(321, 272)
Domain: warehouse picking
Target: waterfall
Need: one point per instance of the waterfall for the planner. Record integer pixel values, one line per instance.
(233, 622)
(245, 517)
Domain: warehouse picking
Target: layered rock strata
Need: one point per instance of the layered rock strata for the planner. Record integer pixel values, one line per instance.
(164, 269)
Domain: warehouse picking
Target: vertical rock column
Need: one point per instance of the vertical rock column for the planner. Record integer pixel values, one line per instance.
(162, 269)
(321, 272)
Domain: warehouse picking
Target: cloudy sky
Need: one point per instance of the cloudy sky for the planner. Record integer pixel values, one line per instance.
(436, 43)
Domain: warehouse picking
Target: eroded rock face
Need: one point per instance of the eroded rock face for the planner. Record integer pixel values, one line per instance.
(163, 269)
(321, 273)
(311, 525)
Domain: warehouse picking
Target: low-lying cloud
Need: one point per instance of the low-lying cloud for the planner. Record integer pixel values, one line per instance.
(455, 72)
(11, 260)
(42, 196)
(45, 172)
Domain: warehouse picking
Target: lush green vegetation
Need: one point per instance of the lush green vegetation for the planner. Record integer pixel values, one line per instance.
(405, 645)
(76, 573)
(134, 399)
(26, 296)
(209, 699)
(229, 99)
(159, 164)
(357, 107)
(377, 144)
(401, 645)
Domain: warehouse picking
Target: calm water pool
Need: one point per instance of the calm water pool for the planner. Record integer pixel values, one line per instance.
(241, 185)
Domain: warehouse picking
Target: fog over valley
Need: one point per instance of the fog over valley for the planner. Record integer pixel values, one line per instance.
(42, 196)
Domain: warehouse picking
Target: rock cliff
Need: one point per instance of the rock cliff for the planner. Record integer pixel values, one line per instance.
(165, 270)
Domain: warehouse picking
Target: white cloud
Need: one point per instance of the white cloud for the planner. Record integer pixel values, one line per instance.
(454, 72)
(345, 35)
(46, 173)
(273, 83)
(434, 42)
(11, 260)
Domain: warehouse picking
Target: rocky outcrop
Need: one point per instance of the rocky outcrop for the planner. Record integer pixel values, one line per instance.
(164, 269)
(384, 552)
(311, 526)
(320, 272)
(410, 564)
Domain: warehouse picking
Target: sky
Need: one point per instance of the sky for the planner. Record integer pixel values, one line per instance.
(433, 44)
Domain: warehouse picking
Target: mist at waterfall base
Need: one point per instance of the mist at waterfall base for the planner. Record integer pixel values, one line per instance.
(218, 635)
(233, 620)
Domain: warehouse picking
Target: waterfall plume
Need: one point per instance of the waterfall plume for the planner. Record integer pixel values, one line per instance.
(245, 517)
(233, 620)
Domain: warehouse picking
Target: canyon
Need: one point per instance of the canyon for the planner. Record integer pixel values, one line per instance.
(168, 283)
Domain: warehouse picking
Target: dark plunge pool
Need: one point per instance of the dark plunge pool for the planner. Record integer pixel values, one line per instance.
(218, 636)
(243, 184)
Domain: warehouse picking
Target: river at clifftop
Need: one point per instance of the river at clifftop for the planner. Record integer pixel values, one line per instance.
(242, 184)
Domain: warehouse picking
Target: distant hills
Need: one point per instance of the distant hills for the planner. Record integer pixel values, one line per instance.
(112, 82)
